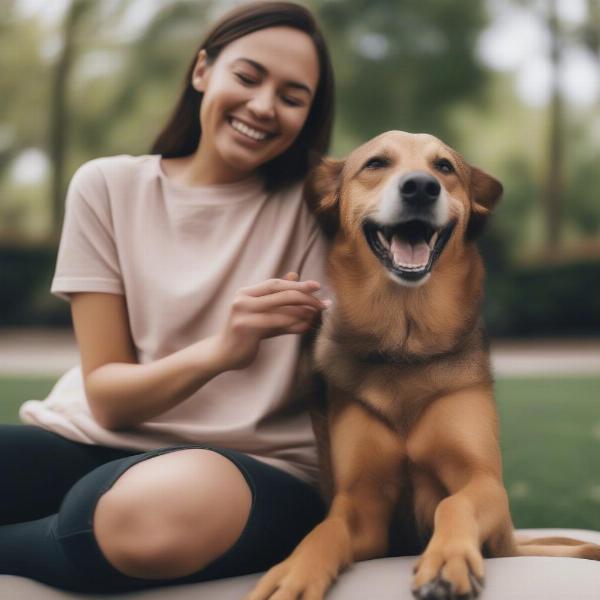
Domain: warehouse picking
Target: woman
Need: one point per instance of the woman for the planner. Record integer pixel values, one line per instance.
(176, 453)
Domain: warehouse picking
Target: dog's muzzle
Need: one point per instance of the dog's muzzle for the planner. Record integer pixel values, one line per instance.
(409, 246)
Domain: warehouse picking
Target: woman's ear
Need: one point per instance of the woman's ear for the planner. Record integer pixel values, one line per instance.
(321, 193)
(485, 194)
(200, 71)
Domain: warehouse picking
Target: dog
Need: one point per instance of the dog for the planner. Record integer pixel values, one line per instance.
(412, 449)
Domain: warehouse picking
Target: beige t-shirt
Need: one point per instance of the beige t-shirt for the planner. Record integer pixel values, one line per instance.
(179, 254)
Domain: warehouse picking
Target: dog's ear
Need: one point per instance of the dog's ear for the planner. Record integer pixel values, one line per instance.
(321, 193)
(485, 194)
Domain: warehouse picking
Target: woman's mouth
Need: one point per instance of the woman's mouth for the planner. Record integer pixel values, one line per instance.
(255, 135)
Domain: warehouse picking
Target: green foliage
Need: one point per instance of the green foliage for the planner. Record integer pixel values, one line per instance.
(399, 65)
(542, 300)
(26, 273)
(122, 110)
(402, 65)
(23, 88)
(583, 190)
(519, 206)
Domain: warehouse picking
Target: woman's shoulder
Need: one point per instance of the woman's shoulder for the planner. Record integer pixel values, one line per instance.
(114, 167)
(103, 181)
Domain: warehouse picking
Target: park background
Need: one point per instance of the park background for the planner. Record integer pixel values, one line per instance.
(513, 84)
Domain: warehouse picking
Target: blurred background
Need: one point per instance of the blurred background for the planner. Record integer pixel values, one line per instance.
(513, 84)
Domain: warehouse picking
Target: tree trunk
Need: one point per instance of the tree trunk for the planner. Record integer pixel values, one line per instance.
(554, 184)
(592, 27)
(58, 126)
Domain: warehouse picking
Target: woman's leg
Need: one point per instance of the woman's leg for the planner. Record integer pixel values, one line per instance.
(184, 519)
(38, 467)
(172, 515)
(207, 514)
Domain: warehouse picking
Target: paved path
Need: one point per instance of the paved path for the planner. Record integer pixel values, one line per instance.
(51, 352)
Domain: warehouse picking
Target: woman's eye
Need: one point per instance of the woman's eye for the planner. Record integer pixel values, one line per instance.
(292, 101)
(245, 79)
(377, 162)
(444, 165)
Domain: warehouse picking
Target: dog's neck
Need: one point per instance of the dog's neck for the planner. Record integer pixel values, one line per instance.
(391, 322)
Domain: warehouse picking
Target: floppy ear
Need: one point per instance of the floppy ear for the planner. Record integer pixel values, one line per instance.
(485, 194)
(321, 193)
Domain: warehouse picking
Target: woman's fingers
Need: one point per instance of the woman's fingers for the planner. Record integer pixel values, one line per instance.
(273, 307)
(298, 312)
(278, 300)
(273, 324)
(272, 286)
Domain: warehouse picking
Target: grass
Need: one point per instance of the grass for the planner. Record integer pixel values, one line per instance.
(15, 390)
(551, 448)
(550, 444)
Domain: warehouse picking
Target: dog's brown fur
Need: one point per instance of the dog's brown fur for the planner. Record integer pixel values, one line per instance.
(412, 424)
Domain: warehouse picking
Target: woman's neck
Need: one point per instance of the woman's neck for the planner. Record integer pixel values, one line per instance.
(198, 169)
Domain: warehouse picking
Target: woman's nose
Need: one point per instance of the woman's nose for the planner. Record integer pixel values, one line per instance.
(262, 103)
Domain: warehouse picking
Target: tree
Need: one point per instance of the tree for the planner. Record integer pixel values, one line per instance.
(24, 79)
(58, 113)
(554, 190)
(402, 65)
(106, 115)
(555, 177)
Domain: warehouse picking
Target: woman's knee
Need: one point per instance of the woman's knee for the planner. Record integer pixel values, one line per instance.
(172, 515)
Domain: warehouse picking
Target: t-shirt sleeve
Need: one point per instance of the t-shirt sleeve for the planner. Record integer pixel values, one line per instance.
(87, 256)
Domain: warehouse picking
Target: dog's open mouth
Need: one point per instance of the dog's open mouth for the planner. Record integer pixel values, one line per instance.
(408, 250)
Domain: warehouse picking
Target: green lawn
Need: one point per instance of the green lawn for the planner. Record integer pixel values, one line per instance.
(550, 444)
(551, 449)
(15, 390)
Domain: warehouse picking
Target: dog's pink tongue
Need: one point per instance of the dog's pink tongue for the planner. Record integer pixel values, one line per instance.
(408, 254)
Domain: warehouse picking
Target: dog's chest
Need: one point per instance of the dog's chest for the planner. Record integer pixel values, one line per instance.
(398, 392)
(393, 393)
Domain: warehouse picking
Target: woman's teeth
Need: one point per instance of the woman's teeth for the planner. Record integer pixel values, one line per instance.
(253, 134)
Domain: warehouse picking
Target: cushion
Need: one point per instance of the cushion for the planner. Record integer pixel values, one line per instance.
(522, 578)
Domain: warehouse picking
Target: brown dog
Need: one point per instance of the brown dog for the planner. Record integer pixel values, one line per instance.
(413, 429)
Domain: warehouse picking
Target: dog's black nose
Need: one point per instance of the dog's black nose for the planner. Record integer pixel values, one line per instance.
(419, 189)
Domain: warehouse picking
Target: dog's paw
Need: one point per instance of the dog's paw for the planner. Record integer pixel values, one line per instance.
(290, 580)
(440, 589)
(449, 575)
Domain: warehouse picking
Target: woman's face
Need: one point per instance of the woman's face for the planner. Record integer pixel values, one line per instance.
(257, 96)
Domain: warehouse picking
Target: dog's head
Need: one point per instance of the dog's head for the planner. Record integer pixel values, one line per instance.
(405, 197)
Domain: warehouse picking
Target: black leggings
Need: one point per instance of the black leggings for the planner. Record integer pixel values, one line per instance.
(50, 488)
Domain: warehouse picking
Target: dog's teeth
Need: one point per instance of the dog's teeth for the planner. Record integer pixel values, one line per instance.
(382, 239)
(433, 240)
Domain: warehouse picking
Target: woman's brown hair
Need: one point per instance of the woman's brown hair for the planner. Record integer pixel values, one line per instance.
(181, 135)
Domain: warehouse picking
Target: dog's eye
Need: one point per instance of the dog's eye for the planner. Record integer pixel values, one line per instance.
(377, 162)
(444, 165)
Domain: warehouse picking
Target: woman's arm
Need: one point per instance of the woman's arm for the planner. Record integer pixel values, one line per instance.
(123, 393)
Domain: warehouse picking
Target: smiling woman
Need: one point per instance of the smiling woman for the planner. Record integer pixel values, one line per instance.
(179, 450)
(281, 66)
(253, 105)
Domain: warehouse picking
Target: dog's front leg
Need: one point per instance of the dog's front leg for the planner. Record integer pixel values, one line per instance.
(366, 458)
(456, 441)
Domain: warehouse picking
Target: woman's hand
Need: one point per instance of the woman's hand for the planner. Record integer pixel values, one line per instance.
(273, 307)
